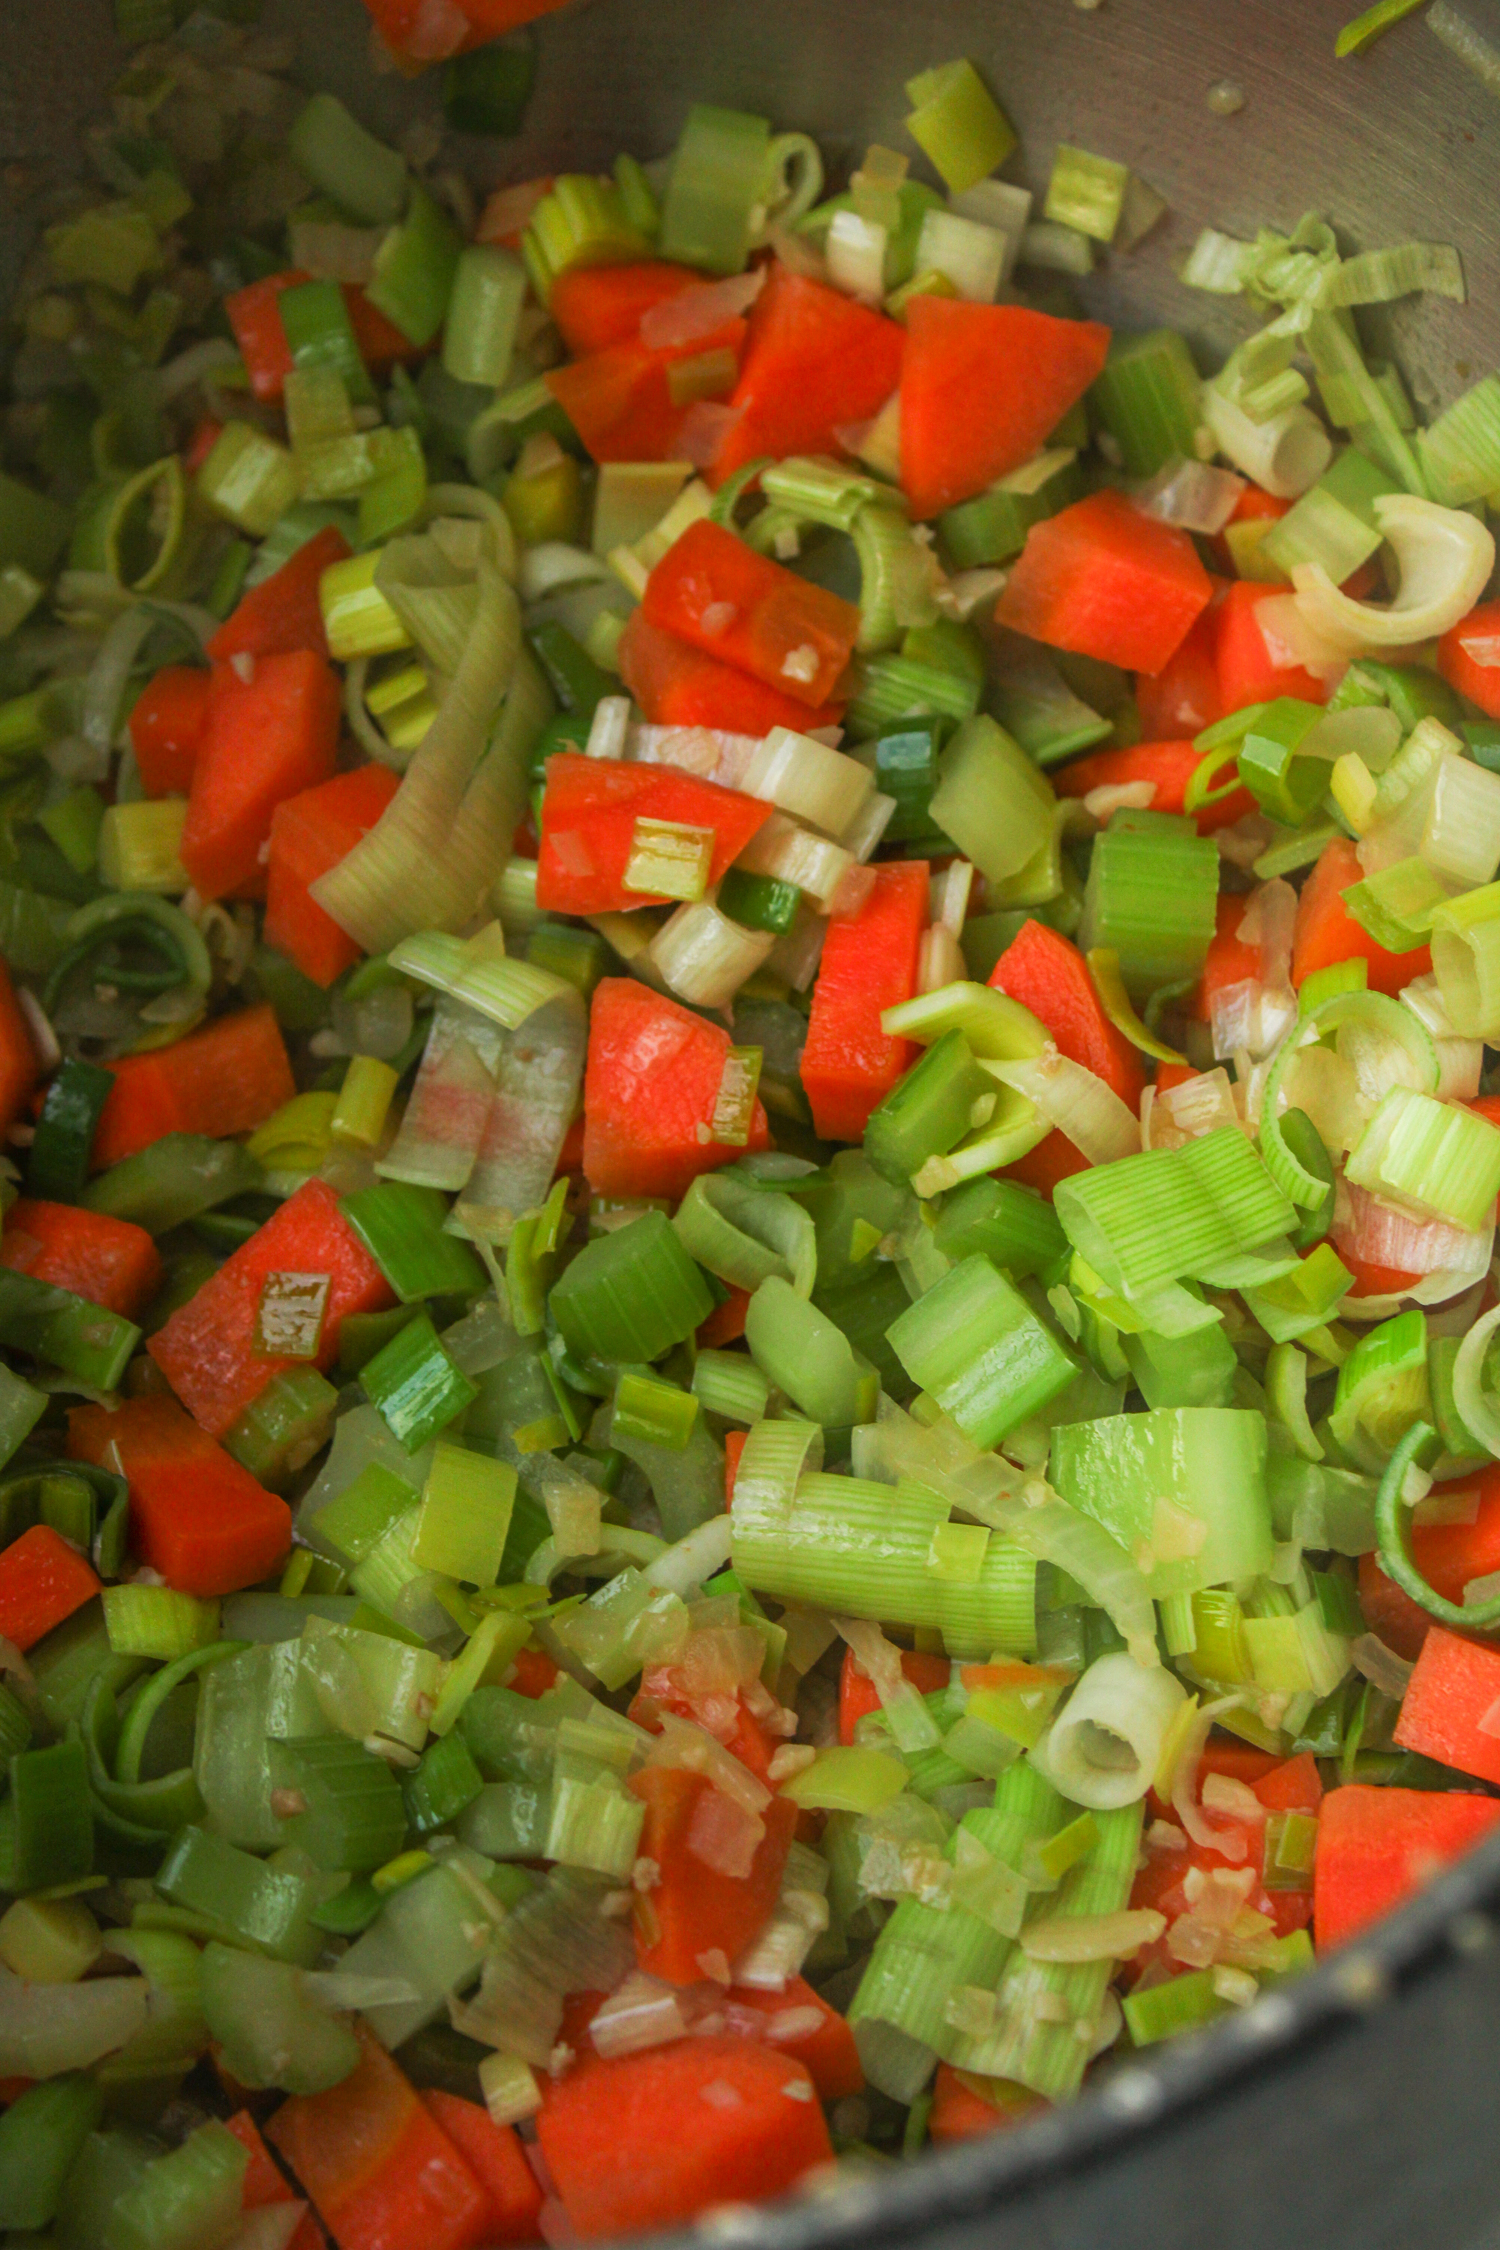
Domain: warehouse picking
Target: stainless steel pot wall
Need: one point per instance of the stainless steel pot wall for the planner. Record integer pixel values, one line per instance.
(1363, 2106)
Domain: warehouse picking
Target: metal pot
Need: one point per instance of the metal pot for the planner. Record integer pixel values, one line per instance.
(1361, 2105)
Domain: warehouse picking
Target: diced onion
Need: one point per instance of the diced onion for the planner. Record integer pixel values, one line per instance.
(1445, 558)
(1191, 495)
(1075, 1100)
(695, 313)
(1092, 1937)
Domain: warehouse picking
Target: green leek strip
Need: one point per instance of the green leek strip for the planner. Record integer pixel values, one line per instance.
(1149, 1220)
(1438, 1156)
(84, 1340)
(974, 1344)
(1182, 1490)
(1393, 1529)
(957, 122)
(719, 178)
(856, 1547)
(427, 861)
(1031, 2045)
(1470, 1397)
(1361, 1014)
(745, 1234)
(1104, 968)
(362, 175)
(1363, 31)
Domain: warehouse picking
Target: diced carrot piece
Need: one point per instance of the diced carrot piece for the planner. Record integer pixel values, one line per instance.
(108, 1261)
(734, 1446)
(1183, 698)
(589, 815)
(18, 1063)
(283, 613)
(981, 387)
(596, 306)
(533, 1673)
(1327, 932)
(494, 2155)
(266, 2184)
(815, 363)
(207, 1349)
(651, 1086)
(648, 2141)
(1048, 975)
(961, 2113)
(620, 401)
(676, 685)
(693, 1911)
(826, 2051)
(857, 1696)
(741, 608)
(196, 1516)
(1468, 657)
(167, 728)
(1452, 1703)
(379, 2167)
(268, 738)
(869, 964)
(310, 833)
(1106, 581)
(1230, 959)
(1295, 1785)
(726, 1323)
(1378, 1846)
(227, 1078)
(1168, 766)
(1247, 673)
(42, 1581)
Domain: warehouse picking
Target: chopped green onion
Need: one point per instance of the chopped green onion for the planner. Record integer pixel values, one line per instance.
(1152, 899)
(956, 121)
(249, 479)
(1148, 400)
(415, 1384)
(630, 1295)
(361, 174)
(1086, 192)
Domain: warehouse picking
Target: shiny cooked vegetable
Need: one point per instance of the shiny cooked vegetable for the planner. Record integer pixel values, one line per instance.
(750, 1174)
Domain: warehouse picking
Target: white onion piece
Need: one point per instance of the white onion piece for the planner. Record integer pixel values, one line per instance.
(190, 367)
(1229, 1842)
(699, 312)
(1380, 1665)
(1077, 1102)
(105, 684)
(815, 784)
(692, 1559)
(705, 751)
(1110, 797)
(643, 2013)
(1192, 496)
(1424, 997)
(1292, 641)
(1250, 1018)
(855, 249)
(1369, 731)
(1445, 559)
(1284, 456)
(1460, 1068)
(547, 568)
(1377, 1233)
(1186, 1112)
(941, 960)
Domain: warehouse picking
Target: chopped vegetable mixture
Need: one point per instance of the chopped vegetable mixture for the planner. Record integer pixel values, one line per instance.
(749, 1172)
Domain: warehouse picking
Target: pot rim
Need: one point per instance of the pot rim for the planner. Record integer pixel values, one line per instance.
(1456, 1914)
